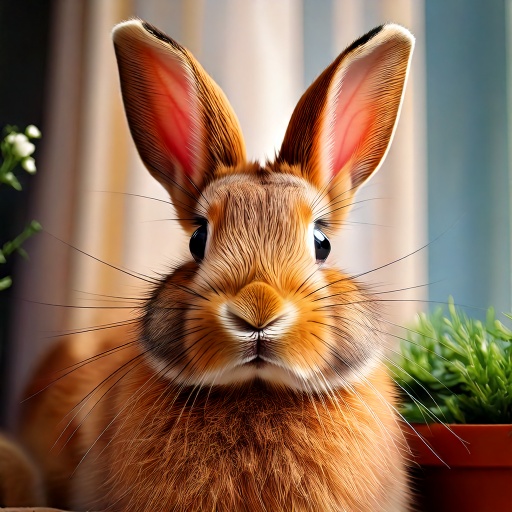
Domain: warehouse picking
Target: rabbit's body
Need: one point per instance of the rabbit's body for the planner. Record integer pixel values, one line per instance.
(254, 377)
(246, 448)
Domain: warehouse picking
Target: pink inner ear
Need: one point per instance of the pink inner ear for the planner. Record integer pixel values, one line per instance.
(354, 113)
(173, 104)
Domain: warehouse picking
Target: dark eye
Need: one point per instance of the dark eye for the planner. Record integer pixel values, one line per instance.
(322, 245)
(197, 243)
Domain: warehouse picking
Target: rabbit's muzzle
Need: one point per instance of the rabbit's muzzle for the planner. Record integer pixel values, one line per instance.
(257, 305)
(258, 316)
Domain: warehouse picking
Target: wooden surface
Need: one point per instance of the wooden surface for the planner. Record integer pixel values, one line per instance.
(30, 509)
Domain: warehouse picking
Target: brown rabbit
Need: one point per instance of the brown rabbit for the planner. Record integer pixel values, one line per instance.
(254, 379)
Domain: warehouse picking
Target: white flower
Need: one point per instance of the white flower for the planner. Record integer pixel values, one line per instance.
(21, 147)
(10, 138)
(29, 164)
(32, 132)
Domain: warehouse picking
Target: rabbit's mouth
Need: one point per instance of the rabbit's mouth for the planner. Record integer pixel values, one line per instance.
(256, 362)
(258, 344)
(258, 355)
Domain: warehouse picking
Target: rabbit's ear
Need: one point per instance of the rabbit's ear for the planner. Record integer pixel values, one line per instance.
(180, 120)
(342, 126)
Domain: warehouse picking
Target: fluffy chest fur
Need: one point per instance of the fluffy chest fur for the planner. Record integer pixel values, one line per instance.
(254, 449)
(150, 446)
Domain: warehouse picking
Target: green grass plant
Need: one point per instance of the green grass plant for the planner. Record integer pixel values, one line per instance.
(455, 369)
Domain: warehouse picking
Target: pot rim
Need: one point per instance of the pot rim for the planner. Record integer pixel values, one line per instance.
(461, 445)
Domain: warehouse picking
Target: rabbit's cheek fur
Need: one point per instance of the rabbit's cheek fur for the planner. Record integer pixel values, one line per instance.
(163, 327)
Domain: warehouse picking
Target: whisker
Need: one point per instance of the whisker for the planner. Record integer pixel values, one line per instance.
(346, 278)
(137, 396)
(78, 365)
(82, 363)
(136, 299)
(378, 293)
(352, 389)
(153, 378)
(380, 332)
(334, 200)
(137, 195)
(84, 401)
(326, 190)
(421, 407)
(72, 306)
(94, 328)
(90, 394)
(392, 407)
(444, 303)
(365, 379)
(167, 178)
(131, 273)
(327, 210)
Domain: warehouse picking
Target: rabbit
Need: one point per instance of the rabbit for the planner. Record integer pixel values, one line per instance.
(253, 379)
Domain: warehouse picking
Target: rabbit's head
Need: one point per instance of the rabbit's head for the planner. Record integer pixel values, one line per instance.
(258, 300)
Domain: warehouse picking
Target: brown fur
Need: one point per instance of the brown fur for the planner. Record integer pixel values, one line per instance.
(191, 410)
(20, 485)
(249, 448)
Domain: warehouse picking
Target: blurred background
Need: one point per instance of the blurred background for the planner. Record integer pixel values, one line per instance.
(434, 222)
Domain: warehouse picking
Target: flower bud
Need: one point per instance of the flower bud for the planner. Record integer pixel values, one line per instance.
(29, 164)
(21, 147)
(32, 132)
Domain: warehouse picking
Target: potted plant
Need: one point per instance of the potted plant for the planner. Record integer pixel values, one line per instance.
(456, 376)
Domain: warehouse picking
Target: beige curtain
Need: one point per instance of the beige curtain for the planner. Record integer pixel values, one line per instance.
(390, 220)
(85, 155)
(93, 179)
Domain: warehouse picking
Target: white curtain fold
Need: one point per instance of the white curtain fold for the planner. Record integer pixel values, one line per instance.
(389, 221)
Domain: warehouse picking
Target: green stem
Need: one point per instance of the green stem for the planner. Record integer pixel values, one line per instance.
(15, 245)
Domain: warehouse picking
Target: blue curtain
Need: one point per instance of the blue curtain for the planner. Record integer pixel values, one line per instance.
(468, 153)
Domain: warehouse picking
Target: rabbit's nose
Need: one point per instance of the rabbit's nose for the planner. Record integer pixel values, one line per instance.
(256, 306)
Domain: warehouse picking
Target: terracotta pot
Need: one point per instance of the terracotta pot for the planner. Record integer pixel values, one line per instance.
(462, 467)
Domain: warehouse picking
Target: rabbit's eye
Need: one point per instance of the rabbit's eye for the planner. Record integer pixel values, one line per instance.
(197, 243)
(322, 245)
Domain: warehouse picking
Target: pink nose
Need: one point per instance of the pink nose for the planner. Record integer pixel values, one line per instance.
(257, 305)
